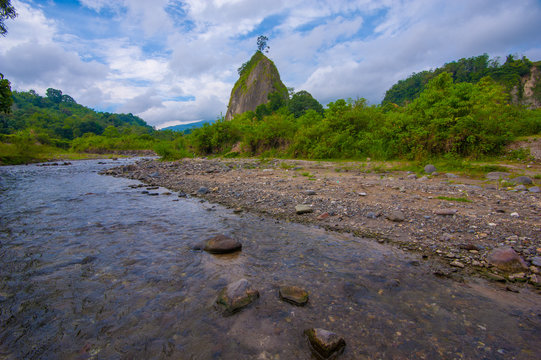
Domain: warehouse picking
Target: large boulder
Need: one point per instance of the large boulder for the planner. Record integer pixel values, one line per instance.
(258, 78)
(506, 259)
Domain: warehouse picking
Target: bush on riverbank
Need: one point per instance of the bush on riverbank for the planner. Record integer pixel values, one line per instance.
(452, 120)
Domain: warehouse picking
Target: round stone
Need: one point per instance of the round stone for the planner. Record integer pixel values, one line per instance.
(221, 244)
(506, 259)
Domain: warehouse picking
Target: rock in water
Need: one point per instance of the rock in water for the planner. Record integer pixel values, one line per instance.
(294, 295)
(221, 244)
(506, 259)
(236, 296)
(325, 344)
(258, 78)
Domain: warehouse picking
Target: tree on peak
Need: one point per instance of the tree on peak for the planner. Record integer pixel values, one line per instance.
(262, 44)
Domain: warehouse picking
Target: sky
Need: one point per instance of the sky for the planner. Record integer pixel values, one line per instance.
(173, 62)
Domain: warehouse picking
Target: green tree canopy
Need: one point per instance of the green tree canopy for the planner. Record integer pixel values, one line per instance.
(5, 95)
(6, 12)
(303, 101)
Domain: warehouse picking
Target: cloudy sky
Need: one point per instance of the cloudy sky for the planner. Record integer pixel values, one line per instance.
(173, 62)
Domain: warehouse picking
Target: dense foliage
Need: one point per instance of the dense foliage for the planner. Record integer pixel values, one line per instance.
(57, 121)
(452, 119)
(470, 70)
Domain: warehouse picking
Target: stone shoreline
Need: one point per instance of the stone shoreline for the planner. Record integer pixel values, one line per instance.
(453, 218)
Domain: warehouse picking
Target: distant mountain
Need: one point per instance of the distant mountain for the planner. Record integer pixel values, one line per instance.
(520, 78)
(190, 126)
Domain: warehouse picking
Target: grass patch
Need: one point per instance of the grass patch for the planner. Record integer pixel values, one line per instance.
(457, 199)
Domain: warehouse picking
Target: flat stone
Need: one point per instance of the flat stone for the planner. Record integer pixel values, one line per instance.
(309, 192)
(396, 216)
(534, 189)
(445, 212)
(497, 175)
(202, 190)
(429, 169)
(506, 259)
(293, 294)
(522, 180)
(303, 209)
(457, 264)
(221, 244)
(324, 343)
(323, 216)
(235, 297)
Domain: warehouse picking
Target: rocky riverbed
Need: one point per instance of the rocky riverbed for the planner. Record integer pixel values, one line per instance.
(459, 219)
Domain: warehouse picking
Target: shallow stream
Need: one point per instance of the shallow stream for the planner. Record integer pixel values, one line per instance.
(91, 268)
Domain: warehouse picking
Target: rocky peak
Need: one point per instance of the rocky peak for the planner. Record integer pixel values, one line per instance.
(258, 78)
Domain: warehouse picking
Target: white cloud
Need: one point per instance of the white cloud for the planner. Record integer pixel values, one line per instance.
(166, 49)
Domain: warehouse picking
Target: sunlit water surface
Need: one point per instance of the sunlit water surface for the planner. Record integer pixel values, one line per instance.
(91, 268)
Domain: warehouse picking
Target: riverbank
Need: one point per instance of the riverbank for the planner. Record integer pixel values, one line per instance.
(456, 218)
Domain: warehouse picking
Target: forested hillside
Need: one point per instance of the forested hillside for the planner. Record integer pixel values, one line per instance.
(512, 75)
(36, 127)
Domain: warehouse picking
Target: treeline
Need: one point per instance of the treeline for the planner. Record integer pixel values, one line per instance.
(447, 119)
(37, 126)
(470, 70)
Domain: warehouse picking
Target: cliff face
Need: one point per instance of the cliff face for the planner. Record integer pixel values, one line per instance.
(258, 78)
(529, 93)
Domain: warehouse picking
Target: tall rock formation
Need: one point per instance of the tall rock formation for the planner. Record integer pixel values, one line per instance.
(258, 78)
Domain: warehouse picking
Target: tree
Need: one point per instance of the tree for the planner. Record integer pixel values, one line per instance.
(301, 102)
(54, 95)
(262, 43)
(6, 12)
(5, 95)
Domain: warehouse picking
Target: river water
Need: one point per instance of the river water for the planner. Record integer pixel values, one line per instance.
(91, 268)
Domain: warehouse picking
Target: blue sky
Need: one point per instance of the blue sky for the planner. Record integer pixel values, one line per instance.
(175, 62)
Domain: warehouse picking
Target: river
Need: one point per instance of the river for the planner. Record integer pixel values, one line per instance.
(93, 268)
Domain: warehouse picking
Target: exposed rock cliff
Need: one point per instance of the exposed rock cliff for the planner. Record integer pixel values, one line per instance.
(529, 93)
(258, 78)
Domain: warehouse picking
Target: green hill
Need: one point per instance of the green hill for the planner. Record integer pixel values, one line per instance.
(520, 78)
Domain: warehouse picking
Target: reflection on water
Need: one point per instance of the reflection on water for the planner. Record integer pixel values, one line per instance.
(91, 268)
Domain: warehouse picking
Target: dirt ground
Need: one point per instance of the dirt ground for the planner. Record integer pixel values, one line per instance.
(456, 218)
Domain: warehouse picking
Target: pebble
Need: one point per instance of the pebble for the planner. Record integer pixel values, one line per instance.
(323, 216)
(515, 214)
(445, 212)
(303, 209)
(457, 264)
(309, 192)
(202, 190)
(396, 216)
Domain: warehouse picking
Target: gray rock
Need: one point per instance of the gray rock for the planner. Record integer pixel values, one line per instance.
(371, 215)
(429, 169)
(412, 176)
(522, 180)
(202, 190)
(221, 244)
(303, 209)
(445, 212)
(536, 260)
(521, 188)
(534, 189)
(451, 176)
(235, 297)
(396, 216)
(497, 175)
(424, 178)
(309, 192)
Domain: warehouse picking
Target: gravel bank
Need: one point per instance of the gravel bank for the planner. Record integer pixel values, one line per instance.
(457, 219)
